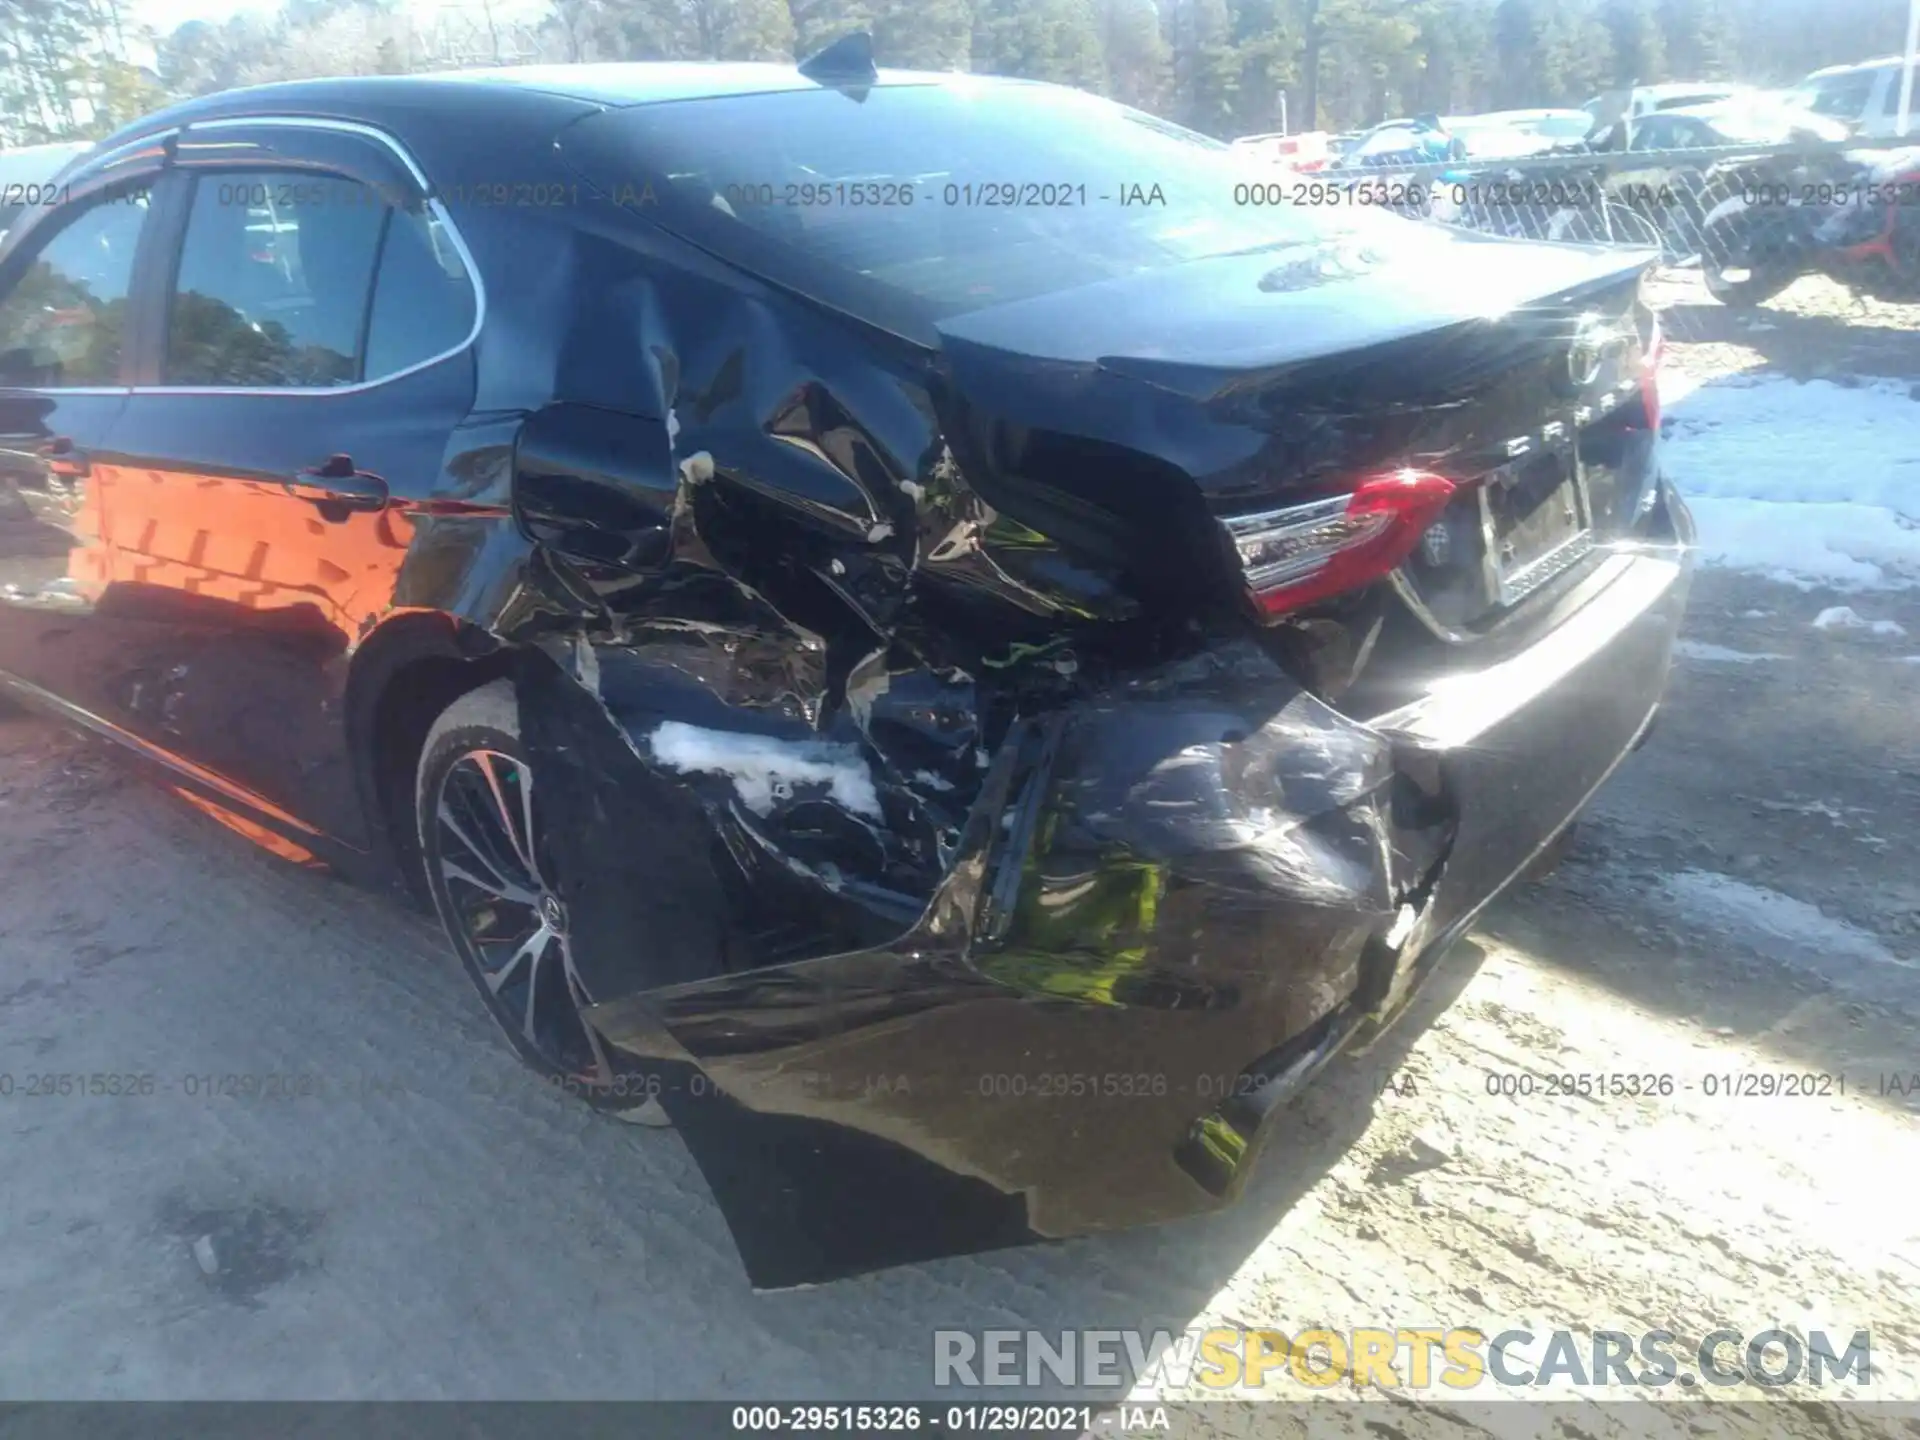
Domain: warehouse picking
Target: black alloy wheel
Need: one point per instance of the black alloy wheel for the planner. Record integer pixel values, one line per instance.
(491, 875)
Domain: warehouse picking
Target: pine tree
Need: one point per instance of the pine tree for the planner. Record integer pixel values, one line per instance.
(1639, 48)
(1205, 69)
(923, 34)
(1138, 63)
(1700, 37)
(1039, 40)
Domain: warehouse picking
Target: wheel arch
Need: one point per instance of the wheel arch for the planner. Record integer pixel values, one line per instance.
(403, 675)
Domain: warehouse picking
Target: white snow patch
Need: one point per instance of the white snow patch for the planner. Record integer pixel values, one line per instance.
(1845, 617)
(1720, 654)
(877, 533)
(1812, 484)
(763, 768)
(1755, 614)
(1724, 903)
(932, 781)
(913, 490)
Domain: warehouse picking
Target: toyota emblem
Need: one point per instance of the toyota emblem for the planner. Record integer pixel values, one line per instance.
(1594, 339)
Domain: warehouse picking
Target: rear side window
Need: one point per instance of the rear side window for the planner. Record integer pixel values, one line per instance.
(1890, 100)
(289, 281)
(1653, 133)
(1680, 102)
(63, 320)
(423, 302)
(1844, 97)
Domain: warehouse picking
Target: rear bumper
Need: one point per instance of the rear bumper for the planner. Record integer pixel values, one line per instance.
(1167, 910)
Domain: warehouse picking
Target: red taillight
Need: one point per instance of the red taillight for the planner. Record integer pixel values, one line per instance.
(1310, 552)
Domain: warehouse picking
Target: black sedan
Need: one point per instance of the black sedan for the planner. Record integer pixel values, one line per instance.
(912, 625)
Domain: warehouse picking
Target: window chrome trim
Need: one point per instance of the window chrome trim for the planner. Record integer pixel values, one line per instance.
(432, 205)
(105, 159)
(303, 122)
(65, 389)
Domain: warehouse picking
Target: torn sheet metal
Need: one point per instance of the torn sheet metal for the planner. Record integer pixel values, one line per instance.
(1151, 893)
(933, 829)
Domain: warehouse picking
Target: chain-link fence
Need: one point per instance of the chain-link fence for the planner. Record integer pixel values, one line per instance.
(1748, 220)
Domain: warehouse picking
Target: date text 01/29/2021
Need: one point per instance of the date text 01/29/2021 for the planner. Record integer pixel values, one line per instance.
(1714, 1085)
(911, 1417)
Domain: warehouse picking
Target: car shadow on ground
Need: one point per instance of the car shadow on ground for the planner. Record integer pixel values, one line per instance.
(1749, 870)
(1160, 1278)
(615, 1254)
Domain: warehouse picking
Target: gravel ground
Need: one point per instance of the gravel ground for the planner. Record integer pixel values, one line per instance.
(1742, 898)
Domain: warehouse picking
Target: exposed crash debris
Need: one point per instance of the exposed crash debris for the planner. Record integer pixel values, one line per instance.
(810, 652)
(765, 770)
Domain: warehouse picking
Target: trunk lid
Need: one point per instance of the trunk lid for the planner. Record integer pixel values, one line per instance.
(1173, 400)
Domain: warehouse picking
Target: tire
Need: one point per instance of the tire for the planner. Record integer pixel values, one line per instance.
(487, 868)
(1760, 286)
(1725, 248)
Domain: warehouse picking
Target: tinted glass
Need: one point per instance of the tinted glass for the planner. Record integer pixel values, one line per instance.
(273, 282)
(1564, 127)
(1679, 102)
(422, 301)
(1653, 134)
(1843, 97)
(954, 196)
(1890, 101)
(1394, 141)
(63, 320)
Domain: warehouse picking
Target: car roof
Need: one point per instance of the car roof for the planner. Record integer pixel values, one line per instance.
(654, 82)
(611, 84)
(1708, 110)
(1885, 62)
(1689, 87)
(558, 92)
(1511, 117)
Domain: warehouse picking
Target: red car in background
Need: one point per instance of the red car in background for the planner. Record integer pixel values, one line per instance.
(1306, 152)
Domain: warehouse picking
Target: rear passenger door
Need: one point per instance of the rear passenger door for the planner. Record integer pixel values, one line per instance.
(312, 355)
(66, 340)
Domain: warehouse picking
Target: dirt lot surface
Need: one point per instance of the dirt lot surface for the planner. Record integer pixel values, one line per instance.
(1742, 900)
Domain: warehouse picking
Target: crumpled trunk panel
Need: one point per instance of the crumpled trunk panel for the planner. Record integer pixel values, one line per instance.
(1151, 894)
(935, 834)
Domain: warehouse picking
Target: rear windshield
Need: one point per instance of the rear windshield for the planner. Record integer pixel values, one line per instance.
(941, 199)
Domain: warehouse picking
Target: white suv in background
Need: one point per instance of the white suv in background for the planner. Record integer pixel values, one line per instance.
(1865, 96)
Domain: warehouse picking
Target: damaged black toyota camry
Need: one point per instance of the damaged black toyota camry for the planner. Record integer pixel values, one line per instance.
(932, 629)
